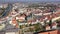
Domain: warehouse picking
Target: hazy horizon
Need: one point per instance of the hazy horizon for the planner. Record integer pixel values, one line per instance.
(4, 1)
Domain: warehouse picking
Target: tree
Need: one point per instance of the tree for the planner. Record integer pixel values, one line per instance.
(33, 6)
(50, 22)
(38, 27)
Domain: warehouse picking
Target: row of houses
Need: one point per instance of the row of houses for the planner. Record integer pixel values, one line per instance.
(32, 16)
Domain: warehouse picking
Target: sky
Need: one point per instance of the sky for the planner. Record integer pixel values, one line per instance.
(2, 1)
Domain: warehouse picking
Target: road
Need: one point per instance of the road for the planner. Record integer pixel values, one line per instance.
(6, 11)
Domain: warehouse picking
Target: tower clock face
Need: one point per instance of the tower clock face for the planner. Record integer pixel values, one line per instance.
(2, 26)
